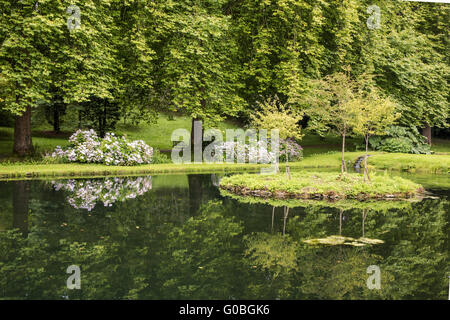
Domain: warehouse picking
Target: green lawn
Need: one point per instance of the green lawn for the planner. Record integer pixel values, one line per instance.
(20, 170)
(441, 146)
(314, 144)
(389, 161)
(384, 161)
(318, 152)
(157, 135)
(42, 144)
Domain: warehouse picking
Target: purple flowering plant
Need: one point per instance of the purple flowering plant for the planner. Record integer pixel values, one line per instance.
(292, 148)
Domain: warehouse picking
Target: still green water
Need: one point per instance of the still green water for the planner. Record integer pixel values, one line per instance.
(176, 237)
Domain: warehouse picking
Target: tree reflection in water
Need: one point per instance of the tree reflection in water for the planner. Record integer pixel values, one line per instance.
(151, 247)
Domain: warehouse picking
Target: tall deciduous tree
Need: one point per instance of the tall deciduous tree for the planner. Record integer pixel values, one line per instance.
(415, 74)
(135, 36)
(197, 69)
(280, 47)
(38, 50)
(409, 58)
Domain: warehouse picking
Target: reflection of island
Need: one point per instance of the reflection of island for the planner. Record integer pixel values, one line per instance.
(364, 206)
(84, 194)
(373, 205)
(342, 240)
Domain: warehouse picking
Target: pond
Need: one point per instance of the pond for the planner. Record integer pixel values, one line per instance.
(177, 237)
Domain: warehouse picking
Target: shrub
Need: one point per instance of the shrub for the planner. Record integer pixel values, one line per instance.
(260, 150)
(87, 147)
(402, 140)
(294, 150)
(159, 158)
(246, 152)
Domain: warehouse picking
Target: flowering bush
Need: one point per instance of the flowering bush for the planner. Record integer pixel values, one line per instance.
(246, 152)
(84, 194)
(293, 149)
(87, 147)
(260, 151)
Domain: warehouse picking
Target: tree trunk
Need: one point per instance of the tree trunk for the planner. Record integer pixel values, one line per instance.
(195, 193)
(273, 216)
(20, 197)
(286, 213)
(364, 216)
(197, 139)
(22, 134)
(102, 123)
(427, 133)
(343, 165)
(288, 169)
(366, 171)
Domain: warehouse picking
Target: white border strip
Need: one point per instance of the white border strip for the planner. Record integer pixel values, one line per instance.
(435, 1)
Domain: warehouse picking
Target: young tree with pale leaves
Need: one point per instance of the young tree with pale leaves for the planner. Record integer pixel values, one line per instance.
(330, 107)
(376, 114)
(276, 116)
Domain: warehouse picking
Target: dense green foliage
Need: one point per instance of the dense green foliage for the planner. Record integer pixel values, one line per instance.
(213, 59)
(401, 140)
(39, 51)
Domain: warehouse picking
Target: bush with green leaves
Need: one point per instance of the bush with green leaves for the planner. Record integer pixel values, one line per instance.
(159, 157)
(401, 140)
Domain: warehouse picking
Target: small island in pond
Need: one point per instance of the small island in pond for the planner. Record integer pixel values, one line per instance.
(321, 186)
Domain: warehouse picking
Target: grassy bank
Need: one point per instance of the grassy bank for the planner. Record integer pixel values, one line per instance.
(320, 185)
(11, 171)
(383, 161)
(411, 162)
(403, 162)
